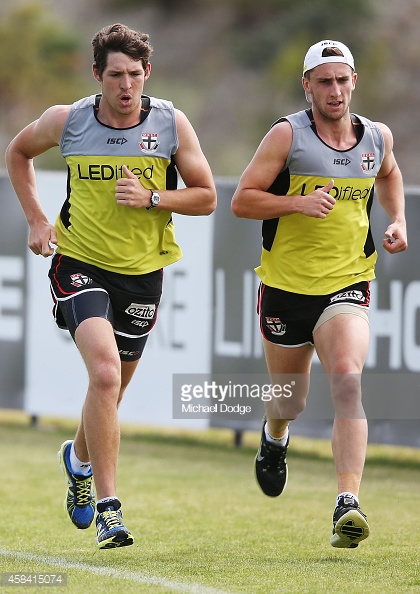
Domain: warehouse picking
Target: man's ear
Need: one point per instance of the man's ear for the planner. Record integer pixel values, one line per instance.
(305, 85)
(147, 71)
(95, 72)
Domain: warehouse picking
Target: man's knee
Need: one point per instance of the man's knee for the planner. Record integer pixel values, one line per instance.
(346, 395)
(285, 408)
(105, 376)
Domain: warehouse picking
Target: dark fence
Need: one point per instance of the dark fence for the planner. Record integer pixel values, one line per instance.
(392, 372)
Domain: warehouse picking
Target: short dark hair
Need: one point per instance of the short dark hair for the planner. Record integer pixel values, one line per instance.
(327, 52)
(120, 38)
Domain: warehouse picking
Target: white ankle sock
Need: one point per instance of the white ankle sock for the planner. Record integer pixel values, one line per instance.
(279, 441)
(77, 466)
(107, 499)
(346, 494)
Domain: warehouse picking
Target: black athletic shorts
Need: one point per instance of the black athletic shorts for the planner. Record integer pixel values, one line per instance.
(130, 302)
(290, 319)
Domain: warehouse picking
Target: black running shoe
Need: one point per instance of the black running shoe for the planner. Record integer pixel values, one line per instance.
(349, 524)
(110, 528)
(271, 466)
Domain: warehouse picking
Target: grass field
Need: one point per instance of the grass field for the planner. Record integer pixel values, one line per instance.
(200, 523)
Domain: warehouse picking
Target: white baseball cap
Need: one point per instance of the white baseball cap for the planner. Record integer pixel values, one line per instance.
(314, 55)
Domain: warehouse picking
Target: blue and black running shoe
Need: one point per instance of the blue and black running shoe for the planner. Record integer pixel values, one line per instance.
(110, 528)
(80, 498)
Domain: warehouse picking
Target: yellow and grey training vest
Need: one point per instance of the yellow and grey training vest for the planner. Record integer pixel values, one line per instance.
(91, 226)
(314, 256)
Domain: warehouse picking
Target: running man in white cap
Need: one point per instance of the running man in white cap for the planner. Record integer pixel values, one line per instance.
(311, 182)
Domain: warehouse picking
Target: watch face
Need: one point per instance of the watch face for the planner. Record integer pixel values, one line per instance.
(155, 199)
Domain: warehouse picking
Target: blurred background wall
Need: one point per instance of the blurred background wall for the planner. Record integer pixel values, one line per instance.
(233, 66)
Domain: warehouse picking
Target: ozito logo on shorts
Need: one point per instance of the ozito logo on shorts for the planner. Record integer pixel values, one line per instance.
(145, 312)
(348, 296)
(276, 326)
(80, 280)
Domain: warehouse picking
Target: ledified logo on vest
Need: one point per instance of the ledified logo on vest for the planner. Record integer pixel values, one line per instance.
(149, 142)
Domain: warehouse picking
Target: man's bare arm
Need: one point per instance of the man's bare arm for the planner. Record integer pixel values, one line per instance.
(33, 140)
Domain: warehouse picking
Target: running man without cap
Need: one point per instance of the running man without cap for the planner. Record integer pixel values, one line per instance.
(312, 182)
(114, 235)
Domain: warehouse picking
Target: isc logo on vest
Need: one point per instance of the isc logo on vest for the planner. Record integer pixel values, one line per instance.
(116, 141)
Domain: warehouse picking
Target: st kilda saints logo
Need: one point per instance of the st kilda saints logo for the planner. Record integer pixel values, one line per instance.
(149, 142)
(80, 280)
(368, 162)
(276, 326)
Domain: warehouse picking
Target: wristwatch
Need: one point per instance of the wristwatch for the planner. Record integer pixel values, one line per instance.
(154, 200)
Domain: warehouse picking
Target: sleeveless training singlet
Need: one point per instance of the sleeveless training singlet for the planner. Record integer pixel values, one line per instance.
(91, 226)
(314, 256)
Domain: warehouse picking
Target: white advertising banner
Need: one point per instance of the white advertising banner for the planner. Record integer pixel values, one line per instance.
(13, 238)
(56, 379)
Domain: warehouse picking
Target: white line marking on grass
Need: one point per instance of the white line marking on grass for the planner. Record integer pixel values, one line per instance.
(132, 576)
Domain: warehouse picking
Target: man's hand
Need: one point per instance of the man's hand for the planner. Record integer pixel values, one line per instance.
(41, 236)
(130, 192)
(395, 238)
(318, 203)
